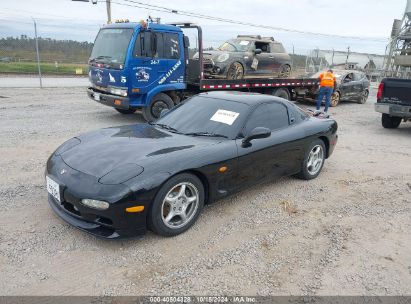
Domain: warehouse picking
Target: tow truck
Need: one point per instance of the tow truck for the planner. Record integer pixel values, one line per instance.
(147, 66)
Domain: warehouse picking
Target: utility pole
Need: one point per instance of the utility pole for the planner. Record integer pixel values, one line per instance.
(37, 51)
(332, 59)
(108, 6)
(348, 55)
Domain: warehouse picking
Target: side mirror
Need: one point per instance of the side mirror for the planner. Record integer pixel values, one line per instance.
(164, 112)
(257, 51)
(256, 133)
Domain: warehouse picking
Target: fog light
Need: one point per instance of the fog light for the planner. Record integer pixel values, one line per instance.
(95, 204)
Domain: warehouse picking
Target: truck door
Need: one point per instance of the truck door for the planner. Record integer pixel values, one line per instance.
(156, 60)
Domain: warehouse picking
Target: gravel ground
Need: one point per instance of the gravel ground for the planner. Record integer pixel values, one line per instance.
(345, 233)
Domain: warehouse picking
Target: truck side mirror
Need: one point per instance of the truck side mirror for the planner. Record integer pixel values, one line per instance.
(257, 51)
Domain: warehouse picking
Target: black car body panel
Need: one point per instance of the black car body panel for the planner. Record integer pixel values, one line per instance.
(268, 63)
(350, 84)
(88, 166)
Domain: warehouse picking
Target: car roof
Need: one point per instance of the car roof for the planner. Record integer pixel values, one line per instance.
(250, 99)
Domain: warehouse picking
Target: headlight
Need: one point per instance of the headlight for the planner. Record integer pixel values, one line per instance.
(222, 57)
(95, 204)
(71, 143)
(117, 91)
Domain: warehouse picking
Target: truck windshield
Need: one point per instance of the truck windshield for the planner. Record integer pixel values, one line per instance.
(235, 45)
(111, 45)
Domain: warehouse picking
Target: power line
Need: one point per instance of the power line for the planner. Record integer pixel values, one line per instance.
(168, 10)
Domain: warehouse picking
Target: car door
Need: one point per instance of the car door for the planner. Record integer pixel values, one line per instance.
(357, 84)
(347, 86)
(262, 61)
(268, 157)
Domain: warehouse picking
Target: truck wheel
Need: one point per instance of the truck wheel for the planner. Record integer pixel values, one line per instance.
(390, 122)
(335, 99)
(235, 71)
(364, 97)
(285, 71)
(159, 102)
(122, 111)
(283, 93)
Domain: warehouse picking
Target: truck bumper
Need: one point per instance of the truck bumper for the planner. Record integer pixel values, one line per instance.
(109, 100)
(393, 110)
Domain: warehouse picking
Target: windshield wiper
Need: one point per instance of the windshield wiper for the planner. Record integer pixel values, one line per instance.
(206, 134)
(164, 126)
(100, 57)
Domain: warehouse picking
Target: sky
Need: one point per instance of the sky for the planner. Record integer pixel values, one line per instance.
(370, 21)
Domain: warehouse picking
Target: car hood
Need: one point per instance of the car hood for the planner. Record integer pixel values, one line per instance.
(215, 53)
(104, 150)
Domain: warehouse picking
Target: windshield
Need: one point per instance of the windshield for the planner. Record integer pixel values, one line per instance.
(111, 45)
(206, 115)
(235, 45)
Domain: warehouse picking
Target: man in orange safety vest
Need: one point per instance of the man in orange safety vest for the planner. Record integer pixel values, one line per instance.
(327, 83)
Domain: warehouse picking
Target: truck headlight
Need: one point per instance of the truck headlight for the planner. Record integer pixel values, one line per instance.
(117, 91)
(222, 57)
(95, 204)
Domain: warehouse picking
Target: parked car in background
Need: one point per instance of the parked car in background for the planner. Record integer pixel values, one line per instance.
(351, 86)
(394, 101)
(119, 181)
(248, 56)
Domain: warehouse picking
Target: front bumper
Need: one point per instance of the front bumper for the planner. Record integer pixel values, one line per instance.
(213, 70)
(108, 99)
(111, 223)
(393, 109)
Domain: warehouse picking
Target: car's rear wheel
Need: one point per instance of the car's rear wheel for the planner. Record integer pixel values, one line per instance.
(314, 160)
(123, 111)
(390, 122)
(364, 97)
(285, 71)
(235, 71)
(159, 102)
(177, 205)
(335, 99)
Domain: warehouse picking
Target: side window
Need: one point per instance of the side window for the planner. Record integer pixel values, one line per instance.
(358, 76)
(265, 47)
(142, 45)
(277, 48)
(273, 116)
(159, 39)
(171, 46)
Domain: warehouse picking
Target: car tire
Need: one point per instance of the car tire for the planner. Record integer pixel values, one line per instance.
(123, 111)
(235, 71)
(159, 102)
(335, 99)
(364, 97)
(317, 147)
(285, 71)
(171, 199)
(390, 122)
(283, 93)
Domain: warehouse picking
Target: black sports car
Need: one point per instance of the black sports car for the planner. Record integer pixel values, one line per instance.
(119, 181)
(247, 56)
(351, 85)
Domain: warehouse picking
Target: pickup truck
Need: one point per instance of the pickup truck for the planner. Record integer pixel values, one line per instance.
(394, 101)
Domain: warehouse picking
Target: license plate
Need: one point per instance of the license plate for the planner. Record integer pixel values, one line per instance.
(97, 96)
(53, 188)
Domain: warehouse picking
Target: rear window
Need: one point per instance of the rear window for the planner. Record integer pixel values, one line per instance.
(277, 48)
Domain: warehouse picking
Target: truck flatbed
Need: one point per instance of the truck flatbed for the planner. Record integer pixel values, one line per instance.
(223, 84)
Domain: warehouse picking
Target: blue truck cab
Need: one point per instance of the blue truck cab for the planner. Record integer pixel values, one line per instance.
(139, 66)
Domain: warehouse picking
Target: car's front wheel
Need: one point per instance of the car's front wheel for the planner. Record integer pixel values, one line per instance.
(314, 160)
(335, 99)
(235, 71)
(364, 97)
(177, 205)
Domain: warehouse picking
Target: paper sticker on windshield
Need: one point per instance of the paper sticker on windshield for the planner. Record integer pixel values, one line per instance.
(244, 42)
(224, 116)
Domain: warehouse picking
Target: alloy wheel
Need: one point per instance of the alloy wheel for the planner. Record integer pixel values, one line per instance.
(315, 160)
(180, 205)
